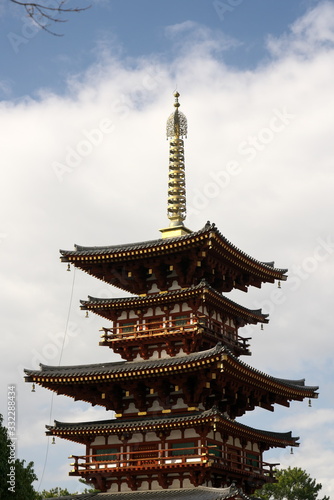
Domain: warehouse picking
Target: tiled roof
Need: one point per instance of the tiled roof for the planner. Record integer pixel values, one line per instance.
(177, 294)
(199, 493)
(150, 423)
(164, 244)
(140, 368)
(124, 366)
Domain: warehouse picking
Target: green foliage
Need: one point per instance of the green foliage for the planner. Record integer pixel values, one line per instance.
(4, 467)
(53, 493)
(293, 484)
(58, 492)
(11, 467)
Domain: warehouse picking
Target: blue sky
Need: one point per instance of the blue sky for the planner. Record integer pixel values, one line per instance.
(85, 160)
(31, 59)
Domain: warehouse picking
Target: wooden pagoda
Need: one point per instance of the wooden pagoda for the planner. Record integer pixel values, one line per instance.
(181, 384)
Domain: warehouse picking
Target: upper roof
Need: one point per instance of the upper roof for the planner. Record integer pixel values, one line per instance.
(203, 254)
(103, 306)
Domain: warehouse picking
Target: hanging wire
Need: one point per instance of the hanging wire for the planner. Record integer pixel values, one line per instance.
(51, 405)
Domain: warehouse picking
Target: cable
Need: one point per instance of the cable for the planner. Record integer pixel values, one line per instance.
(60, 357)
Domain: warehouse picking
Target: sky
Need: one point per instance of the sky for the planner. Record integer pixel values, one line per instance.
(85, 161)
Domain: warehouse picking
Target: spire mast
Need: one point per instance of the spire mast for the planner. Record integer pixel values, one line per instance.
(176, 205)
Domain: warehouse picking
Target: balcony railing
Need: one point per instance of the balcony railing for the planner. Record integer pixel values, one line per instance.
(173, 327)
(165, 459)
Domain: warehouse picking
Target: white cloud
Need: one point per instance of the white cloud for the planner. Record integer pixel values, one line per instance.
(274, 123)
(309, 34)
(189, 36)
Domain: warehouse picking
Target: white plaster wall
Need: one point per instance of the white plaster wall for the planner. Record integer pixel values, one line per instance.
(113, 488)
(114, 440)
(131, 409)
(125, 488)
(175, 435)
(155, 406)
(174, 285)
(155, 485)
(190, 433)
(179, 404)
(150, 436)
(176, 309)
(99, 440)
(144, 486)
(187, 484)
(175, 485)
(211, 435)
(154, 289)
(155, 355)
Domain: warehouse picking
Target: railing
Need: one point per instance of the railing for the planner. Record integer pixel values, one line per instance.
(165, 458)
(137, 459)
(170, 327)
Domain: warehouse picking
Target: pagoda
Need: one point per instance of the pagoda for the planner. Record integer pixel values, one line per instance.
(181, 383)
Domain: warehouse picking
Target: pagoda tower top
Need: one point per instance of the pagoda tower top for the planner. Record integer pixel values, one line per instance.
(176, 207)
(177, 126)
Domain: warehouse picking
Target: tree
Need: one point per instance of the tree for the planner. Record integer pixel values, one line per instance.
(48, 12)
(53, 493)
(15, 478)
(58, 492)
(293, 484)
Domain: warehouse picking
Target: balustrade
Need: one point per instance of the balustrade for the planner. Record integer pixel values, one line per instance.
(166, 458)
(172, 327)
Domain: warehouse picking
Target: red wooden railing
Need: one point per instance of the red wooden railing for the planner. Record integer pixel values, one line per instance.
(173, 326)
(164, 458)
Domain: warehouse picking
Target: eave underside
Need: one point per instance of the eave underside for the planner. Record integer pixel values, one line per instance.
(203, 255)
(214, 375)
(80, 432)
(195, 296)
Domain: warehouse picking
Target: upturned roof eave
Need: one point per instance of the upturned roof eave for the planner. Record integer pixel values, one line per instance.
(95, 303)
(213, 416)
(121, 369)
(152, 247)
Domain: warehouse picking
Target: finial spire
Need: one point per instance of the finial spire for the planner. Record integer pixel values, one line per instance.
(177, 122)
(176, 208)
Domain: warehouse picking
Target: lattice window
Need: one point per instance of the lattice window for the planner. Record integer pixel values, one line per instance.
(105, 454)
(181, 320)
(178, 448)
(127, 327)
(253, 459)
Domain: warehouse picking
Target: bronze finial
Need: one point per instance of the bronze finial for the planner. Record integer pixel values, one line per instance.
(177, 122)
(176, 208)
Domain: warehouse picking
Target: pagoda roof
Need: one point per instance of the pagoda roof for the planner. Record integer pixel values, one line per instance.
(78, 431)
(207, 241)
(218, 356)
(164, 244)
(198, 493)
(203, 290)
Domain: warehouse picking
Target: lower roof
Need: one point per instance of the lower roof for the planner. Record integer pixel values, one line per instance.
(199, 493)
(71, 430)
